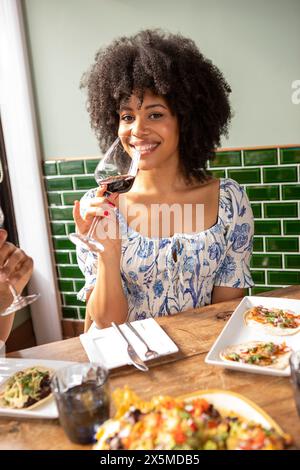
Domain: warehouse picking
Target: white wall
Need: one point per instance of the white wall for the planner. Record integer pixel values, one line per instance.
(255, 44)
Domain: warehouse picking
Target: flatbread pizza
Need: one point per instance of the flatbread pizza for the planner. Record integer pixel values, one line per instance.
(167, 423)
(274, 321)
(27, 388)
(258, 353)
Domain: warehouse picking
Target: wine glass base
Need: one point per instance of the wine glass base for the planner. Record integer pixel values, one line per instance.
(86, 242)
(20, 303)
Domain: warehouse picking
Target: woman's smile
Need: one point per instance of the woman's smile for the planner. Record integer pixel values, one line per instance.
(145, 148)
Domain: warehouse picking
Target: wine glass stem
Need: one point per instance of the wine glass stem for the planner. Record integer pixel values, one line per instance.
(93, 226)
(16, 296)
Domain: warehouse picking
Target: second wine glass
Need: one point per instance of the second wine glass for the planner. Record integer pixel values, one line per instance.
(117, 170)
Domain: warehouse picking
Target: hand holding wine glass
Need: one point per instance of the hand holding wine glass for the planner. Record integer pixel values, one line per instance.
(115, 174)
(15, 271)
(99, 208)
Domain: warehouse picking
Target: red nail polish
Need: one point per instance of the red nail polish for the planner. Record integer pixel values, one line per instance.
(111, 204)
(105, 213)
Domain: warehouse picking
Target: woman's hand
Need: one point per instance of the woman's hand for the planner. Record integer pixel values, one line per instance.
(15, 267)
(107, 229)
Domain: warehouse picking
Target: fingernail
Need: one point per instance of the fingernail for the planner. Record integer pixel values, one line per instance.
(105, 213)
(111, 204)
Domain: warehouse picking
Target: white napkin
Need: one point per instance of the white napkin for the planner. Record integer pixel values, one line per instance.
(106, 346)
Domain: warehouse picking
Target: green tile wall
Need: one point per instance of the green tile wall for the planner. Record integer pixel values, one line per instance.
(270, 178)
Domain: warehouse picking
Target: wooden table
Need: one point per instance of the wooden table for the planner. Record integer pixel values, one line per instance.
(194, 332)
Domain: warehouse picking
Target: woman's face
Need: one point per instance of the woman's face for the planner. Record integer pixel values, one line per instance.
(152, 129)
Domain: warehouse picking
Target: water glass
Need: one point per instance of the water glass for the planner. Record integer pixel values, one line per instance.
(82, 398)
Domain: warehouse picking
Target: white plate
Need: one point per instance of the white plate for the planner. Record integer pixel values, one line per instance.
(237, 332)
(8, 366)
(105, 345)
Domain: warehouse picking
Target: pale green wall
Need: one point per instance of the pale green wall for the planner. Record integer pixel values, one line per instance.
(255, 43)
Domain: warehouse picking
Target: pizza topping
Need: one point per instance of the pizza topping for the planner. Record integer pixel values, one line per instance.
(26, 387)
(173, 424)
(262, 354)
(275, 316)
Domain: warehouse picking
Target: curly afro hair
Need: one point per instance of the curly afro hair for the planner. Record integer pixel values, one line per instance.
(169, 65)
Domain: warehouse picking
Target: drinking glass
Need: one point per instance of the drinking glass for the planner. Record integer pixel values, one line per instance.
(19, 301)
(295, 376)
(82, 397)
(1, 217)
(117, 170)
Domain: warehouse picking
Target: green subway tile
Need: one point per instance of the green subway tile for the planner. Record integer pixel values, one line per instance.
(58, 228)
(282, 244)
(291, 227)
(280, 174)
(50, 168)
(69, 312)
(70, 272)
(292, 261)
(62, 258)
(74, 167)
(284, 209)
(226, 159)
(71, 300)
(256, 208)
(70, 228)
(59, 184)
(283, 277)
(61, 213)
(85, 182)
(260, 157)
(290, 155)
(90, 166)
(65, 286)
(218, 173)
(73, 257)
(266, 261)
(245, 176)
(82, 313)
(267, 227)
(260, 289)
(263, 193)
(291, 191)
(54, 199)
(79, 285)
(62, 243)
(69, 198)
(258, 244)
(258, 277)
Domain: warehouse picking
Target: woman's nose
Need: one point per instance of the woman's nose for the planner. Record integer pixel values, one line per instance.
(139, 127)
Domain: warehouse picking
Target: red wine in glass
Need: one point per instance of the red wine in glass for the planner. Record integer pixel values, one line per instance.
(117, 184)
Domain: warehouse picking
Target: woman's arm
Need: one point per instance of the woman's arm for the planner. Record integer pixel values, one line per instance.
(16, 267)
(220, 294)
(107, 301)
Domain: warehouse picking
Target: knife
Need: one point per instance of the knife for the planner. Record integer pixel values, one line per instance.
(134, 357)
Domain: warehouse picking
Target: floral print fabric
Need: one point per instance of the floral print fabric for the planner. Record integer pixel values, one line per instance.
(167, 275)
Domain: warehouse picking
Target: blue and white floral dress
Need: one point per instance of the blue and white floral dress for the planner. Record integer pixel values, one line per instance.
(164, 276)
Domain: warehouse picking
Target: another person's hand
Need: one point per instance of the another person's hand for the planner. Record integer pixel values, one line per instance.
(15, 267)
(107, 229)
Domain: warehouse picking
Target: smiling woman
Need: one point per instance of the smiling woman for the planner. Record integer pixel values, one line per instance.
(162, 97)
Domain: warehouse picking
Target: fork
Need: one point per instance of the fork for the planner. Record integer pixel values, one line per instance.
(149, 353)
(134, 357)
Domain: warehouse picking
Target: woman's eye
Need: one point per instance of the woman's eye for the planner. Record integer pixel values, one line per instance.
(127, 118)
(155, 116)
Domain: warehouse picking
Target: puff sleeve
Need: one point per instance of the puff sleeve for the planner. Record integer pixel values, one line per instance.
(234, 269)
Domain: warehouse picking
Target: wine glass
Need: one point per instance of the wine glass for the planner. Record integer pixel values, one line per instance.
(117, 169)
(19, 301)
